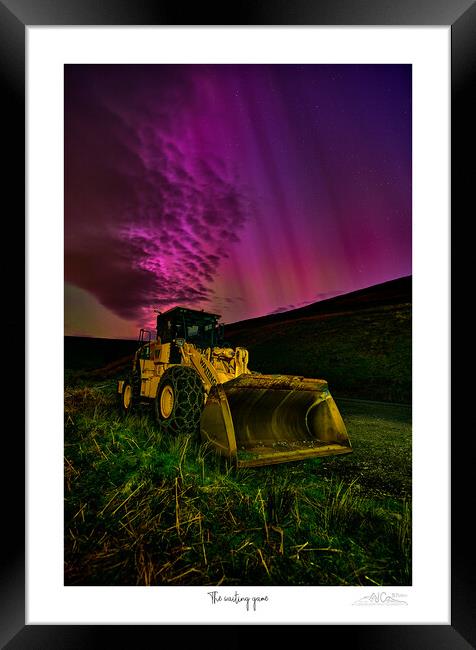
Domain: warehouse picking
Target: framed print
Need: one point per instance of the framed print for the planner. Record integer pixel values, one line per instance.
(267, 202)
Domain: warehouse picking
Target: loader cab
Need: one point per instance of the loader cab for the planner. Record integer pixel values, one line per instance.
(197, 327)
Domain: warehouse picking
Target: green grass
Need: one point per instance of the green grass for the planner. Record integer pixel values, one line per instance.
(141, 509)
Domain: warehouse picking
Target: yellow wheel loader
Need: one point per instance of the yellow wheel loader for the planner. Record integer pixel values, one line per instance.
(198, 383)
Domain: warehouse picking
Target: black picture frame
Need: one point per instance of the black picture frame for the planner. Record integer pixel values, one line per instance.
(15, 16)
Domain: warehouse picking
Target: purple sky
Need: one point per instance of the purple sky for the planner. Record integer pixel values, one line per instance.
(239, 189)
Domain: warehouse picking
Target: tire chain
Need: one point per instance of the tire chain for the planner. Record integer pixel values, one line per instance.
(135, 382)
(188, 402)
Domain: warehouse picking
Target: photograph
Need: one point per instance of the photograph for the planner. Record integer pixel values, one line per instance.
(239, 236)
(238, 325)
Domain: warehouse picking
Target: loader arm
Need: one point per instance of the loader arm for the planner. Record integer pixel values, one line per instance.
(199, 361)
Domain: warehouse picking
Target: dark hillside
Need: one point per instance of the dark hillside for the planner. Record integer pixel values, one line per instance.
(360, 342)
(87, 353)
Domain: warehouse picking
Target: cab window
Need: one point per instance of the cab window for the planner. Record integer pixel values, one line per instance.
(145, 352)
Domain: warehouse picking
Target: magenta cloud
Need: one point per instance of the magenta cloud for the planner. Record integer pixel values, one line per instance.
(149, 216)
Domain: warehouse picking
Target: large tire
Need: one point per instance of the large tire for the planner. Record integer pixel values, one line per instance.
(179, 401)
(126, 398)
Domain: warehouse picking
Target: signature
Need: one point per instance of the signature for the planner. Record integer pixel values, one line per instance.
(381, 598)
(237, 599)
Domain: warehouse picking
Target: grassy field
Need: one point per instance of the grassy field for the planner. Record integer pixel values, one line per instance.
(141, 509)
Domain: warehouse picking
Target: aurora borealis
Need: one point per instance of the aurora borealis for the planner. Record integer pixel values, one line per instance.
(239, 189)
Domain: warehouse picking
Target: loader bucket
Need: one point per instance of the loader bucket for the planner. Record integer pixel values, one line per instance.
(266, 419)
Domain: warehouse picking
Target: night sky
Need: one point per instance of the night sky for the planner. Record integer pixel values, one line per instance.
(239, 189)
